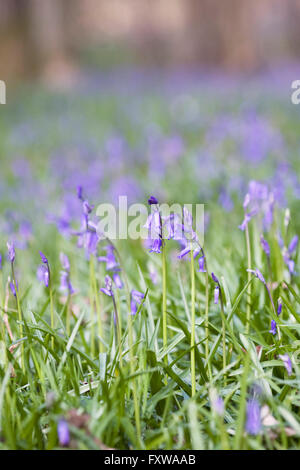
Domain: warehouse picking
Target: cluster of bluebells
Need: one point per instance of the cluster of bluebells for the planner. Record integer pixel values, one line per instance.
(178, 227)
(112, 265)
(258, 201)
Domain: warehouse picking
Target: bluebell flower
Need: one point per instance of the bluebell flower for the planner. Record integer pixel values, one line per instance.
(279, 306)
(11, 251)
(273, 329)
(136, 299)
(293, 244)
(152, 200)
(63, 433)
(216, 294)
(253, 421)
(202, 264)
(107, 290)
(265, 245)
(43, 274)
(13, 288)
(287, 363)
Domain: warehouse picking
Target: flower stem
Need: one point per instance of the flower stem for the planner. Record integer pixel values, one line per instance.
(97, 303)
(249, 279)
(206, 319)
(118, 328)
(223, 334)
(164, 299)
(20, 316)
(134, 382)
(92, 312)
(193, 375)
(51, 313)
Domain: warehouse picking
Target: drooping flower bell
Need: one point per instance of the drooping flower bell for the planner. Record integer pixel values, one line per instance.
(136, 300)
(11, 251)
(152, 200)
(287, 363)
(273, 329)
(253, 421)
(265, 246)
(65, 282)
(43, 274)
(14, 288)
(63, 433)
(43, 271)
(107, 290)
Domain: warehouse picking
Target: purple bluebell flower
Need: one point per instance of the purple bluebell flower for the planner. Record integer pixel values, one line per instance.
(107, 290)
(154, 225)
(11, 251)
(202, 264)
(43, 257)
(136, 299)
(216, 294)
(287, 363)
(156, 246)
(184, 252)
(111, 262)
(43, 274)
(265, 245)
(87, 209)
(65, 282)
(13, 288)
(174, 227)
(279, 306)
(153, 275)
(0, 261)
(63, 433)
(253, 422)
(79, 192)
(152, 200)
(117, 280)
(246, 201)
(248, 216)
(218, 405)
(214, 277)
(273, 329)
(293, 244)
(289, 262)
(258, 274)
(64, 261)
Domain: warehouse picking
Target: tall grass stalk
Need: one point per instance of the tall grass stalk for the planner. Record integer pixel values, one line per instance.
(193, 320)
(248, 314)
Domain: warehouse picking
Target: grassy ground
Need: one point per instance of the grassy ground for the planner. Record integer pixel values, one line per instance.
(215, 378)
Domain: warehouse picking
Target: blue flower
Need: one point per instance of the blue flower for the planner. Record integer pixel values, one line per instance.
(253, 422)
(273, 329)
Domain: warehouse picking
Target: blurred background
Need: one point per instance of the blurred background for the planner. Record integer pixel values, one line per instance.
(52, 40)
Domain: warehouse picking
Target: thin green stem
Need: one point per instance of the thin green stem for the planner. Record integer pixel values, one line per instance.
(207, 357)
(97, 303)
(118, 328)
(20, 316)
(134, 382)
(223, 335)
(193, 374)
(92, 312)
(164, 300)
(248, 317)
(51, 314)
